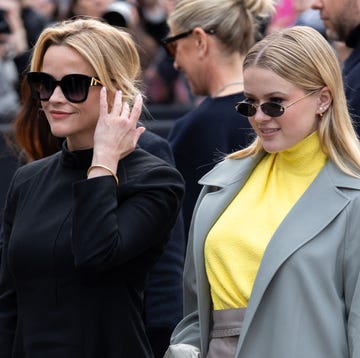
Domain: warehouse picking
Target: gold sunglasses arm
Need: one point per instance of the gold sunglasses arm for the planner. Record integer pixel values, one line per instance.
(301, 98)
(95, 82)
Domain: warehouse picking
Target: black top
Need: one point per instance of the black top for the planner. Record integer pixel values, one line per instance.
(351, 75)
(202, 138)
(76, 253)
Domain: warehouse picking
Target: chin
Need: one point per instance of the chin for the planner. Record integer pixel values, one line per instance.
(59, 132)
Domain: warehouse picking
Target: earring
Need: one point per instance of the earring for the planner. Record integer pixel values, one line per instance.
(322, 109)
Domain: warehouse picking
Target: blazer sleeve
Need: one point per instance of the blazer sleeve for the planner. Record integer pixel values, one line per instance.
(112, 225)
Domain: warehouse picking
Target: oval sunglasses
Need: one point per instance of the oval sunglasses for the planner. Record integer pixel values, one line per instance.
(271, 109)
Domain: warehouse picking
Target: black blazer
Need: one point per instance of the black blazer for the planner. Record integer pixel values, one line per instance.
(76, 254)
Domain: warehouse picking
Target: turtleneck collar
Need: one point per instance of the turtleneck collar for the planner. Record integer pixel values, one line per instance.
(304, 156)
(353, 38)
(77, 159)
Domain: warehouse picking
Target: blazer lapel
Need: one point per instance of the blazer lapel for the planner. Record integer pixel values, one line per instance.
(305, 220)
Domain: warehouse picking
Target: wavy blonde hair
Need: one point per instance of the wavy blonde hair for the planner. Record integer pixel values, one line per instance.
(110, 51)
(302, 56)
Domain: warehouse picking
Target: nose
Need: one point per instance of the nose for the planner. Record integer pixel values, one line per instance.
(316, 4)
(260, 116)
(57, 95)
(175, 65)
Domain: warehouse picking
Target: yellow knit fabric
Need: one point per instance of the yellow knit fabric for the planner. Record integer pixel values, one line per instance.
(236, 243)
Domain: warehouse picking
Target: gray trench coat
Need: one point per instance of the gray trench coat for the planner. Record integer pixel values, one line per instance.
(305, 300)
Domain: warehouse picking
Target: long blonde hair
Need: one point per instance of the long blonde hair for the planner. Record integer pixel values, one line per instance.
(302, 56)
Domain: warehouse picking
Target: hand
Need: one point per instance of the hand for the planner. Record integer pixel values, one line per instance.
(116, 133)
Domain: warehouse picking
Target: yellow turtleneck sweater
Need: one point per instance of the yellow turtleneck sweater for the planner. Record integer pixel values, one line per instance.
(236, 243)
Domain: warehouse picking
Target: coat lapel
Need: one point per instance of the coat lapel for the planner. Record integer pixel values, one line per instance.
(306, 219)
(221, 186)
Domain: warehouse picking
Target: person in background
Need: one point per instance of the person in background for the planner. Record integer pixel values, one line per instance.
(273, 256)
(12, 43)
(342, 20)
(164, 84)
(83, 227)
(284, 16)
(52, 10)
(120, 13)
(208, 40)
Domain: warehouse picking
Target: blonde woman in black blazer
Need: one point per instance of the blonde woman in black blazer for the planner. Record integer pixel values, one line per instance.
(84, 226)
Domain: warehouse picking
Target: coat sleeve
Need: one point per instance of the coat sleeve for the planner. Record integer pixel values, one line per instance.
(188, 332)
(352, 278)
(113, 225)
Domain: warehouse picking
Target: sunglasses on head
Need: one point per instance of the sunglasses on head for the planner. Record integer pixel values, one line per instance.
(169, 43)
(271, 109)
(75, 87)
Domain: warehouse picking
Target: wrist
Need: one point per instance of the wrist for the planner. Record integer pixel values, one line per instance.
(99, 170)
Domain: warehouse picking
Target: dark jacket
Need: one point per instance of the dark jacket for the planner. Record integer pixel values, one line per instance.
(164, 285)
(77, 252)
(202, 138)
(351, 75)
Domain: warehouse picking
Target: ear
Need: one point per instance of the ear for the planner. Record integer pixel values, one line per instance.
(324, 100)
(201, 41)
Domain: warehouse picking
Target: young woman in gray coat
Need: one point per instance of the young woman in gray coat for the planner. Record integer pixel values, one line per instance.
(272, 267)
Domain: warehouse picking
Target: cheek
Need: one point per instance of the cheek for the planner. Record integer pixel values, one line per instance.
(252, 122)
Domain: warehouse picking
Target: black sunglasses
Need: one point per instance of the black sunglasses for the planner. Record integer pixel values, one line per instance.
(169, 42)
(75, 87)
(271, 109)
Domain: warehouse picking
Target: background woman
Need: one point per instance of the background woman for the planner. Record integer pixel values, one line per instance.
(208, 40)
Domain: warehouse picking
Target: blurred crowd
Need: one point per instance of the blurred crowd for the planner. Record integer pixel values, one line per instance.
(21, 21)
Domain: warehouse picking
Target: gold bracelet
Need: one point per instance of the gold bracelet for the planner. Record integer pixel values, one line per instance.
(106, 168)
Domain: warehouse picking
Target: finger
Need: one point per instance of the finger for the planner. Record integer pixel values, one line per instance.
(118, 104)
(125, 113)
(103, 103)
(138, 132)
(137, 108)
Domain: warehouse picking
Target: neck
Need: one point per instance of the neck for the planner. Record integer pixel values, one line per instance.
(222, 90)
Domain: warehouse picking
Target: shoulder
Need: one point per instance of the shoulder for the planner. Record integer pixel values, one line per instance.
(28, 171)
(141, 164)
(352, 65)
(231, 170)
(156, 145)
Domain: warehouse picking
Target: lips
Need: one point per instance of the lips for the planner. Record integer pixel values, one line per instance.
(59, 114)
(268, 130)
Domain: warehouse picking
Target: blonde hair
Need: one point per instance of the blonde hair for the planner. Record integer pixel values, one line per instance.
(235, 22)
(109, 50)
(302, 56)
